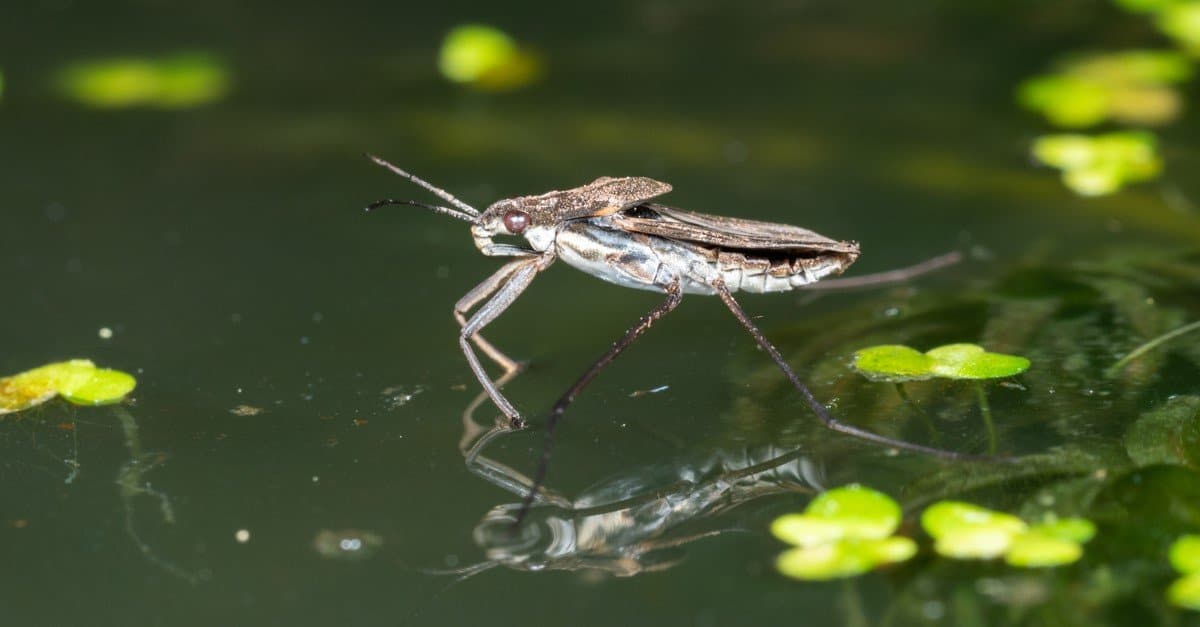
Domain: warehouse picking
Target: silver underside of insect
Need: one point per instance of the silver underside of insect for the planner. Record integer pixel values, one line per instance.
(648, 262)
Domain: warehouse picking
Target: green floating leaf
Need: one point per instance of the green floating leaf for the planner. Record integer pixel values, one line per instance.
(487, 58)
(852, 512)
(1133, 86)
(103, 387)
(173, 82)
(966, 531)
(1181, 21)
(1185, 592)
(963, 530)
(1185, 554)
(970, 361)
(1066, 101)
(843, 558)
(842, 533)
(1094, 166)
(1145, 6)
(1041, 550)
(78, 381)
(1080, 530)
(894, 363)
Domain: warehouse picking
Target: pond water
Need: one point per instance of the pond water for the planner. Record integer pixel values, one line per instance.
(294, 451)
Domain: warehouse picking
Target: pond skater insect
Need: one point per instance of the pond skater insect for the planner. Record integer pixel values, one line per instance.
(610, 229)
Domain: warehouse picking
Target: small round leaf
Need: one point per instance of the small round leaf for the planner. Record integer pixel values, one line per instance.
(103, 387)
(892, 363)
(1185, 592)
(1040, 550)
(1185, 554)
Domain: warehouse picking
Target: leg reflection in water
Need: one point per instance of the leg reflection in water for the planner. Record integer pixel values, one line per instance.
(631, 523)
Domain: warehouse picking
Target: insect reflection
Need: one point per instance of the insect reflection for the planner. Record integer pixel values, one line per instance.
(631, 523)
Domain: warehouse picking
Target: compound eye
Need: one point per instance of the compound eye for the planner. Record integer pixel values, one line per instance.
(516, 221)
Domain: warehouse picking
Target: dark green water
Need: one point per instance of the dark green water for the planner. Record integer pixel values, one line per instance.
(225, 248)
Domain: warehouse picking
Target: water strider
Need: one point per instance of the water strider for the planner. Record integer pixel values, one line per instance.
(610, 229)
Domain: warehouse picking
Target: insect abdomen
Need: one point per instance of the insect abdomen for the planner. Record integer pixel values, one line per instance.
(752, 273)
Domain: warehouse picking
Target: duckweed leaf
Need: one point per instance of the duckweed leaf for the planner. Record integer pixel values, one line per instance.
(804, 530)
(77, 380)
(966, 531)
(174, 82)
(485, 57)
(1185, 554)
(974, 543)
(842, 532)
(843, 558)
(1101, 164)
(1185, 592)
(1133, 86)
(860, 511)
(970, 361)
(1037, 549)
(853, 512)
(1078, 530)
(103, 387)
(894, 363)
(1181, 21)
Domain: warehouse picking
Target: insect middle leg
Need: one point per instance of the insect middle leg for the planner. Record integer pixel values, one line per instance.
(820, 410)
(507, 284)
(674, 296)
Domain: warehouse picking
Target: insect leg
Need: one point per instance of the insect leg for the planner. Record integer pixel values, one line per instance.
(820, 410)
(478, 294)
(899, 275)
(522, 273)
(674, 296)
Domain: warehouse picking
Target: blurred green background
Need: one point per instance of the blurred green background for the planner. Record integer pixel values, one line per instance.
(203, 201)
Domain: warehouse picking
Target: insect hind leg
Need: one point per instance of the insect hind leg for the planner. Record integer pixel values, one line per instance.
(817, 408)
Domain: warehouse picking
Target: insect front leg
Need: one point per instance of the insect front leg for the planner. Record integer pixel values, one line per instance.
(515, 277)
(478, 294)
(820, 410)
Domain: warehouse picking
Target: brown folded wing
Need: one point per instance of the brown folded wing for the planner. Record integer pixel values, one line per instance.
(725, 232)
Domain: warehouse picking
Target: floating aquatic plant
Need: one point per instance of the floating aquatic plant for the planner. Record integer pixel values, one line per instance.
(843, 532)
(1101, 164)
(1133, 86)
(1184, 555)
(966, 531)
(1181, 22)
(486, 58)
(896, 364)
(175, 82)
(78, 381)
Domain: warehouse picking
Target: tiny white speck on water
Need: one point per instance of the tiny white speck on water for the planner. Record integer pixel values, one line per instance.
(316, 479)
(242, 536)
(304, 339)
(105, 333)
